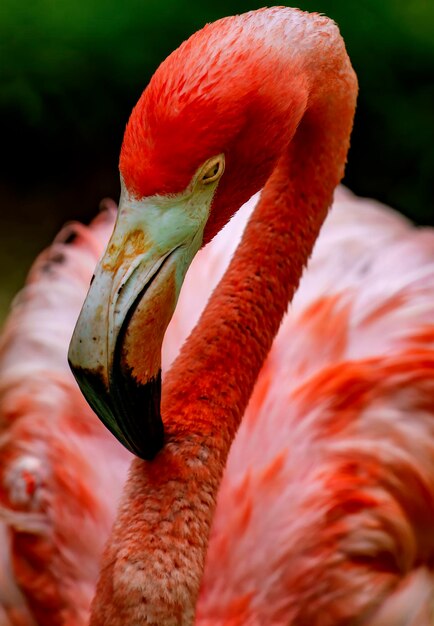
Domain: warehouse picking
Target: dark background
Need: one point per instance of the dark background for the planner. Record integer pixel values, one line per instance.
(71, 70)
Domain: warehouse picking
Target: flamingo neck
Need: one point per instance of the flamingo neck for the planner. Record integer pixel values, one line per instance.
(152, 569)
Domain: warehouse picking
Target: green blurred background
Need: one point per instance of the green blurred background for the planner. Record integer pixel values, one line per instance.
(71, 71)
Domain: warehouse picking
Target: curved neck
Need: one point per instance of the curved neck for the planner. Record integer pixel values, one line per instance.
(161, 536)
(210, 383)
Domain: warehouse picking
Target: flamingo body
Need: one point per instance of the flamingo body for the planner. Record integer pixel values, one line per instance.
(347, 479)
(57, 497)
(334, 456)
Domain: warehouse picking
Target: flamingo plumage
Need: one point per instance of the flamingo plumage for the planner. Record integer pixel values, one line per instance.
(323, 512)
(39, 397)
(57, 500)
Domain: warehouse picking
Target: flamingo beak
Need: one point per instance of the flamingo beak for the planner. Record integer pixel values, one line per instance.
(115, 351)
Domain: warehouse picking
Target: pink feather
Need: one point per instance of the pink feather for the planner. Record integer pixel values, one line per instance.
(324, 515)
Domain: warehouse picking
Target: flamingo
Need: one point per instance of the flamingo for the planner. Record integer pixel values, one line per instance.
(323, 512)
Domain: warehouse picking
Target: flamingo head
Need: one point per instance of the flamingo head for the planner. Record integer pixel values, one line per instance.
(203, 138)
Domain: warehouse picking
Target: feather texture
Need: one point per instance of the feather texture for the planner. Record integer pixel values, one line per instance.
(324, 514)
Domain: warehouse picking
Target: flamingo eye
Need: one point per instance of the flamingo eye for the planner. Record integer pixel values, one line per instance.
(213, 170)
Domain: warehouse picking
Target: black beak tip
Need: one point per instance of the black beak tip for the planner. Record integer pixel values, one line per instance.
(139, 407)
(130, 410)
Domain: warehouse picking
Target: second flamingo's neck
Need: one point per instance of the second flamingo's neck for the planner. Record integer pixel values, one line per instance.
(153, 568)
